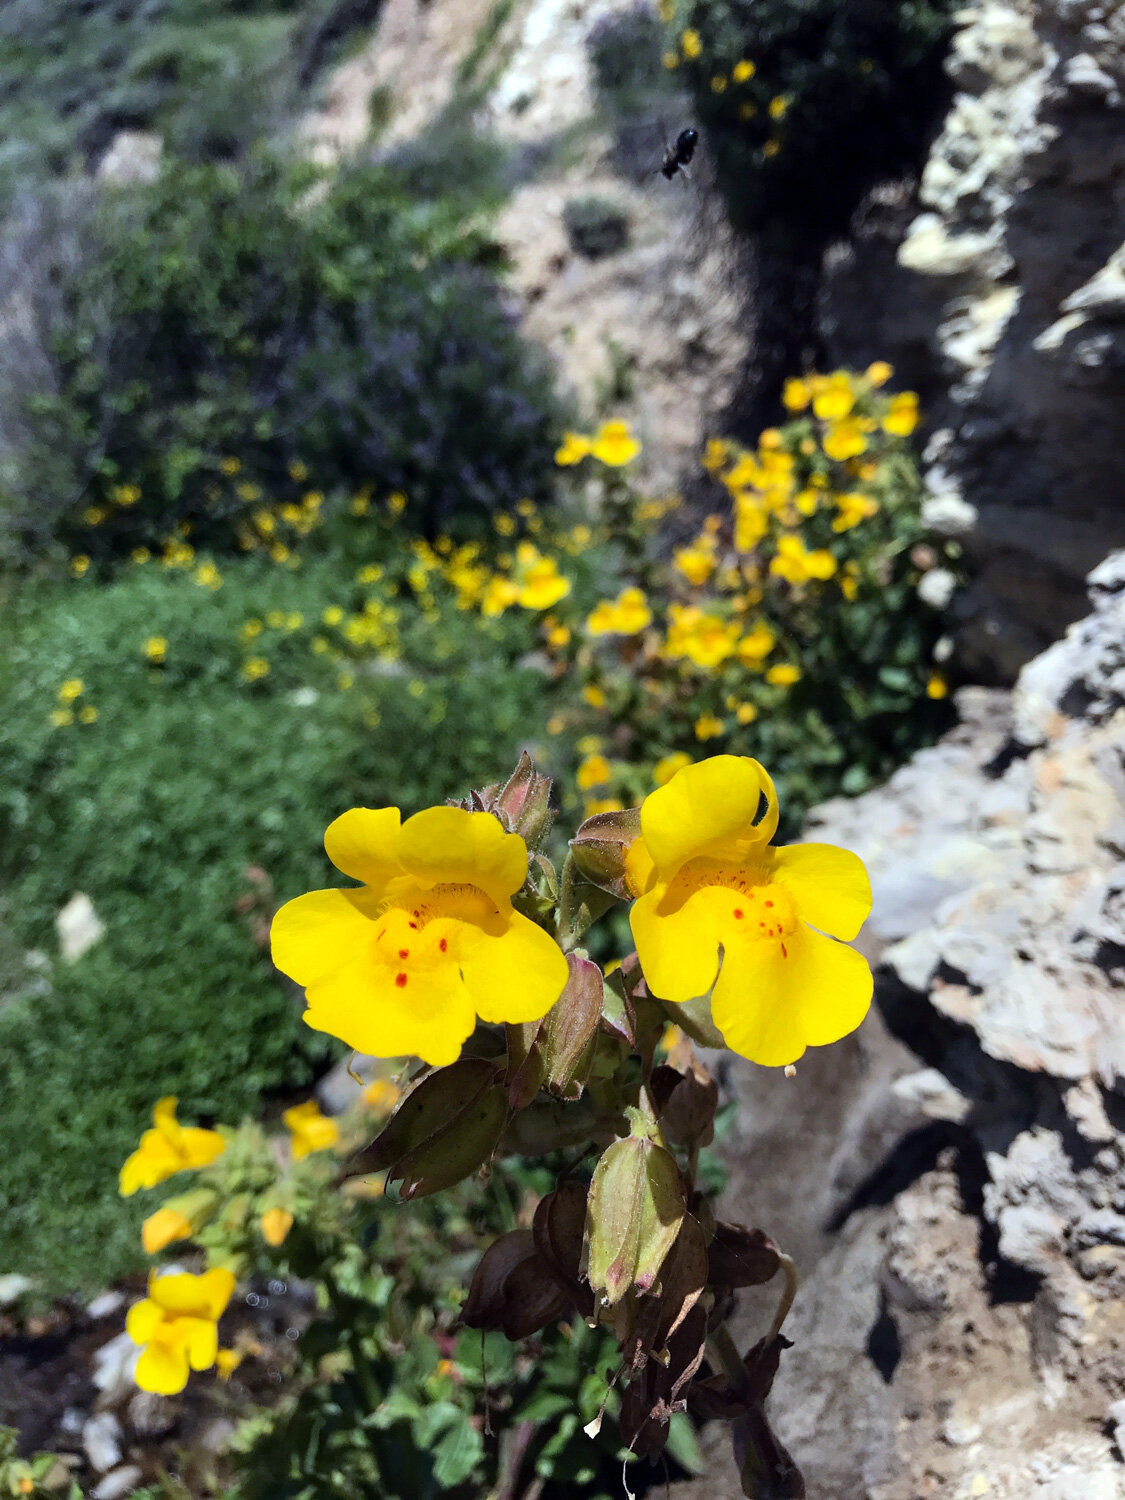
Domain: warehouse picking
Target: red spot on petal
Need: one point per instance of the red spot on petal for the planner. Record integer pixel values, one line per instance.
(404, 953)
(443, 945)
(784, 951)
(413, 924)
(761, 924)
(769, 903)
(400, 980)
(738, 914)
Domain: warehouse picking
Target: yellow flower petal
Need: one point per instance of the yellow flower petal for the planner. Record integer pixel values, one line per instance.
(363, 843)
(516, 974)
(163, 1228)
(142, 1320)
(313, 935)
(680, 945)
(829, 886)
(451, 846)
(202, 1342)
(204, 1296)
(430, 1016)
(772, 1000)
(709, 808)
(162, 1370)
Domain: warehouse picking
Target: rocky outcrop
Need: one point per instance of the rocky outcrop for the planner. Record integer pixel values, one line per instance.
(1022, 237)
(952, 1179)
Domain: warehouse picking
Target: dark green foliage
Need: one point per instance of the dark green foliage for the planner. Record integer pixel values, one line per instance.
(595, 226)
(188, 776)
(861, 79)
(624, 50)
(208, 74)
(353, 325)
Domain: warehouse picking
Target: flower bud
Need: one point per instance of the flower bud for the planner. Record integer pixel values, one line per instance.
(521, 803)
(513, 1289)
(636, 1207)
(600, 846)
(562, 1043)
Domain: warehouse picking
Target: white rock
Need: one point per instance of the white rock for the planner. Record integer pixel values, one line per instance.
(12, 1288)
(121, 1482)
(114, 1364)
(133, 157)
(79, 927)
(105, 1305)
(937, 587)
(101, 1438)
(949, 513)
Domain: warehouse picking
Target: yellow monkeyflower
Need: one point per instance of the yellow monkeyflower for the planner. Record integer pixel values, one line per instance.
(718, 84)
(715, 455)
(574, 449)
(834, 396)
(166, 1149)
(332, 615)
(628, 614)
(853, 508)
(72, 688)
(903, 416)
(594, 695)
(670, 60)
(87, 714)
(226, 1362)
(254, 668)
(311, 1130)
(771, 148)
(743, 71)
(937, 687)
(879, 372)
(696, 562)
(140, 555)
(538, 582)
(61, 718)
(779, 107)
(231, 466)
(614, 445)
(557, 636)
(708, 727)
(785, 674)
(164, 1228)
(707, 879)
(276, 1223)
(177, 1323)
(756, 645)
(595, 805)
(845, 439)
(156, 650)
(79, 565)
(745, 713)
(668, 765)
(796, 395)
(690, 43)
(595, 770)
(381, 1095)
(406, 962)
(796, 564)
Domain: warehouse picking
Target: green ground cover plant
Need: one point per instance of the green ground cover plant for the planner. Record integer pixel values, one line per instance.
(194, 769)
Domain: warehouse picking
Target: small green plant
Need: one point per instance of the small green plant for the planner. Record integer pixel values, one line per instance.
(43, 1474)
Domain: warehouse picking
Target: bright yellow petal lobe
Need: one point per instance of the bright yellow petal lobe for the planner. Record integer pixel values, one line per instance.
(162, 1370)
(829, 886)
(363, 843)
(451, 846)
(709, 808)
(276, 1224)
(313, 935)
(773, 999)
(163, 1228)
(516, 973)
(142, 1321)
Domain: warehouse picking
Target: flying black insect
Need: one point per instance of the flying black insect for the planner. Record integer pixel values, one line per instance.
(678, 156)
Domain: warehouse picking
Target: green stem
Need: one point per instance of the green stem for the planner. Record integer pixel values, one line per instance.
(360, 1363)
(724, 1352)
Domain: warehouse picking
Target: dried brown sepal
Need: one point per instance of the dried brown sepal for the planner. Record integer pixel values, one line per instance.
(741, 1257)
(683, 1277)
(634, 1212)
(659, 1390)
(434, 1101)
(686, 1105)
(600, 846)
(513, 1289)
(559, 1229)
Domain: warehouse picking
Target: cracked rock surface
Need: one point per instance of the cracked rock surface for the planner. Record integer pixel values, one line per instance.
(952, 1178)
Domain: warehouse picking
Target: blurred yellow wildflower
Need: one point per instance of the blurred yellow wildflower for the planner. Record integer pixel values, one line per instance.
(277, 1222)
(61, 718)
(708, 727)
(844, 439)
(853, 508)
(166, 1149)
(164, 1228)
(706, 879)
(668, 765)
(937, 686)
(140, 555)
(595, 770)
(614, 445)
(833, 396)
(309, 1128)
(743, 71)
(574, 449)
(177, 1326)
(226, 1362)
(72, 688)
(796, 395)
(594, 695)
(628, 614)
(691, 44)
(406, 962)
(796, 564)
(879, 372)
(902, 417)
(696, 562)
(255, 668)
(785, 674)
(79, 565)
(87, 714)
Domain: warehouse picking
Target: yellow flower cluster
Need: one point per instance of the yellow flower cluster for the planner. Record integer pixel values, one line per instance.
(68, 711)
(613, 445)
